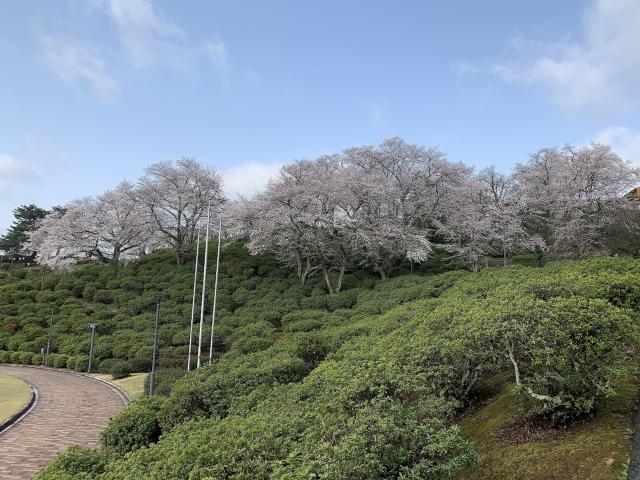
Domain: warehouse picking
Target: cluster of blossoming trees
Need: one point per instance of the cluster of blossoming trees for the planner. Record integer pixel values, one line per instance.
(164, 209)
(367, 207)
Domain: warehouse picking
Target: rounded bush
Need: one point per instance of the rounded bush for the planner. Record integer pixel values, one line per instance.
(81, 363)
(140, 364)
(103, 296)
(25, 358)
(120, 369)
(136, 426)
(60, 360)
(14, 357)
(105, 365)
(77, 462)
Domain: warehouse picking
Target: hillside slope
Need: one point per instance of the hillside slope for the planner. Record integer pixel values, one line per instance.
(368, 383)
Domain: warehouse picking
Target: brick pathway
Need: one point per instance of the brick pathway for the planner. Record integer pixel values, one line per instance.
(71, 409)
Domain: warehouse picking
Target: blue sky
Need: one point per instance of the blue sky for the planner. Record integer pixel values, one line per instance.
(92, 91)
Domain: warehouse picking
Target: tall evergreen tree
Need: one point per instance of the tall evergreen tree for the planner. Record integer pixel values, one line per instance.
(25, 219)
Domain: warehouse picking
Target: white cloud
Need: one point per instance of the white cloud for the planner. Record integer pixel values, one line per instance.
(598, 72)
(248, 179)
(146, 40)
(13, 175)
(145, 35)
(624, 142)
(218, 53)
(78, 64)
(150, 39)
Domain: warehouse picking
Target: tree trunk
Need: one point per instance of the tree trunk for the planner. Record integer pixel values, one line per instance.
(327, 279)
(504, 256)
(343, 267)
(299, 265)
(181, 255)
(383, 274)
(516, 370)
(307, 272)
(334, 288)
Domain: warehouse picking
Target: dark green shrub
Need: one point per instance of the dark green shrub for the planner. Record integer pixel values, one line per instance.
(342, 300)
(14, 357)
(78, 290)
(311, 348)
(103, 296)
(164, 380)
(106, 364)
(136, 426)
(75, 462)
(303, 326)
(25, 358)
(120, 369)
(171, 362)
(60, 360)
(89, 291)
(251, 344)
(140, 364)
(81, 363)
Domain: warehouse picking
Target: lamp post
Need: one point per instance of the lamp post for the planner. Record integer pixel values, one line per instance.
(155, 349)
(92, 326)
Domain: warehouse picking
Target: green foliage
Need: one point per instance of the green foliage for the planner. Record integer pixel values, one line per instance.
(136, 426)
(120, 369)
(362, 384)
(80, 363)
(25, 218)
(75, 464)
(164, 380)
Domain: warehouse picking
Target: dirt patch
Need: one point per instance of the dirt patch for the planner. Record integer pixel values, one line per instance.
(525, 431)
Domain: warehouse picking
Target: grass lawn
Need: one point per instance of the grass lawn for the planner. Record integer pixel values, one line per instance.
(14, 395)
(593, 449)
(133, 385)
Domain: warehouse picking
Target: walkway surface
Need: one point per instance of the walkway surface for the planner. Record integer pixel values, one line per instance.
(71, 410)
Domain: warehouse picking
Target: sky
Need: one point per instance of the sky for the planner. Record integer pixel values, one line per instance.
(93, 91)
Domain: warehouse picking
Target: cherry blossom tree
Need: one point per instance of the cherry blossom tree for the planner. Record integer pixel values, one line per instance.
(176, 197)
(505, 208)
(572, 194)
(363, 207)
(110, 228)
(469, 228)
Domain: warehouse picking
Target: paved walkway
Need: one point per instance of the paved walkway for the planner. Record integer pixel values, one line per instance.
(71, 409)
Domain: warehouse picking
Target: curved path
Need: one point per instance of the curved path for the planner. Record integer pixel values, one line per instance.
(71, 409)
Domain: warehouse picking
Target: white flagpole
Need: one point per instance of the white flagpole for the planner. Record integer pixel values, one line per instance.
(215, 289)
(193, 300)
(204, 280)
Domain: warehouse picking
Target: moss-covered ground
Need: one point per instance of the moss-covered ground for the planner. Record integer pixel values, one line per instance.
(595, 448)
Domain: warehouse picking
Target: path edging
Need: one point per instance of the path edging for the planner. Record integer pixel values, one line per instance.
(33, 400)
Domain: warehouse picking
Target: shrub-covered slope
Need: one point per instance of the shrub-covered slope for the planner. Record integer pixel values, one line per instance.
(364, 384)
